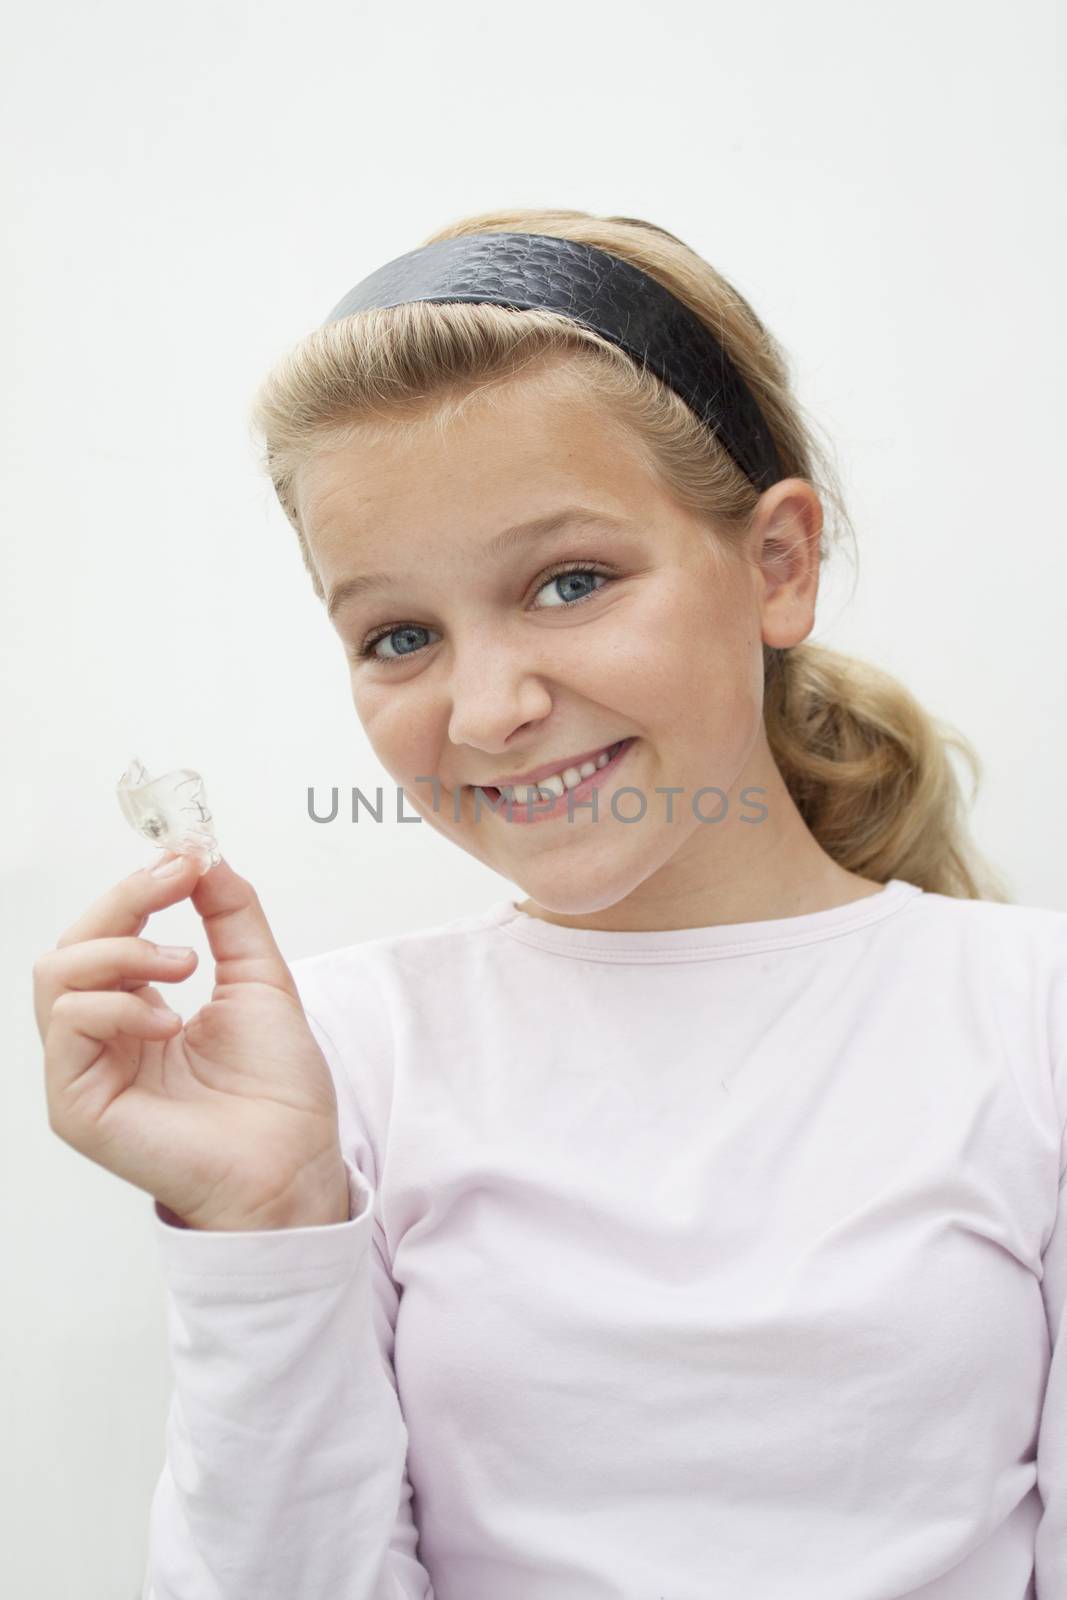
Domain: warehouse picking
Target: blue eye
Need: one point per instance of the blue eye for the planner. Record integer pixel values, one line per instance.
(405, 630)
(394, 633)
(571, 572)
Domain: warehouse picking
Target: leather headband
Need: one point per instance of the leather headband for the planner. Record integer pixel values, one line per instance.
(530, 271)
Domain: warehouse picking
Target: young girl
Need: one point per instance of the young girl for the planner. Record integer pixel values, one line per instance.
(691, 1229)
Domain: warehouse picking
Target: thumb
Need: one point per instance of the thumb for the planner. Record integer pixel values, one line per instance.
(238, 932)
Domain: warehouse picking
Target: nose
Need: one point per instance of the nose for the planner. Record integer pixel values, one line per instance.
(494, 692)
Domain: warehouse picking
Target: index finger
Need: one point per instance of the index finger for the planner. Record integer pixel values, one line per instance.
(237, 929)
(127, 906)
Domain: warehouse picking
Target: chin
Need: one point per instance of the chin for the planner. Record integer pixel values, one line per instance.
(578, 894)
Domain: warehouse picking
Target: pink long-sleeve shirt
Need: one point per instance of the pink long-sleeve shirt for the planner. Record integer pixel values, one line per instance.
(721, 1263)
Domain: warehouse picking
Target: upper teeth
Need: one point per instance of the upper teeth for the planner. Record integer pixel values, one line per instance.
(551, 788)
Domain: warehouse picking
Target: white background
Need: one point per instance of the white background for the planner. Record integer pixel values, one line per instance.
(187, 191)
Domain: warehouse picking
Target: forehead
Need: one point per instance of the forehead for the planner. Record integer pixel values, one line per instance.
(515, 450)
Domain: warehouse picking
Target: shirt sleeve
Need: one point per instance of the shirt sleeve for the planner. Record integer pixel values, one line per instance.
(1050, 1556)
(1050, 1550)
(285, 1452)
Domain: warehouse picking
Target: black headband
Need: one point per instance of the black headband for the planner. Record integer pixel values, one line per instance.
(532, 271)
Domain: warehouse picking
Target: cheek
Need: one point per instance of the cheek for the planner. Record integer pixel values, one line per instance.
(397, 731)
(692, 667)
(681, 643)
(380, 720)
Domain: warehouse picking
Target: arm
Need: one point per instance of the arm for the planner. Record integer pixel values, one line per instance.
(285, 1446)
(1050, 1546)
(285, 1466)
(1050, 1553)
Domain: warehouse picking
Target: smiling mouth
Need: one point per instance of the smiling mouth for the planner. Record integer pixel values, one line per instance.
(552, 805)
(603, 758)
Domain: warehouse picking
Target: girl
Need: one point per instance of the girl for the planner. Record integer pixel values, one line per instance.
(691, 1229)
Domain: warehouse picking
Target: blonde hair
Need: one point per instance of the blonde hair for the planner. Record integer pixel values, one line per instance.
(867, 767)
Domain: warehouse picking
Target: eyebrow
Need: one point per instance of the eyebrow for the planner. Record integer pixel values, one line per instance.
(500, 545)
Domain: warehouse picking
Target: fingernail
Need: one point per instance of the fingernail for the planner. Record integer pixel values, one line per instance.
(167, 869)
(175, 952)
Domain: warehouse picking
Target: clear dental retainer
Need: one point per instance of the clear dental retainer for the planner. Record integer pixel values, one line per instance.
(170, 812)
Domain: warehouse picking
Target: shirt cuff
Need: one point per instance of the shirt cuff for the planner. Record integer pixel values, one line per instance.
(214, 1251)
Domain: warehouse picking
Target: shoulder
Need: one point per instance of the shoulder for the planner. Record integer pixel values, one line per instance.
(1009, 963)
(393, 961)
(1036, 935)
(360, 1000)
(1016, 954)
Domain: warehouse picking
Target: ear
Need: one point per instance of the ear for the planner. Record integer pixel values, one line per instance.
(783, 541)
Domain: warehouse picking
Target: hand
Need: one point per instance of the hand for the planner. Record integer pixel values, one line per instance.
(229, 1121)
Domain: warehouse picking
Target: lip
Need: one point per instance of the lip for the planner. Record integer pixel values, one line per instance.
(523, 812)
(535, 774)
